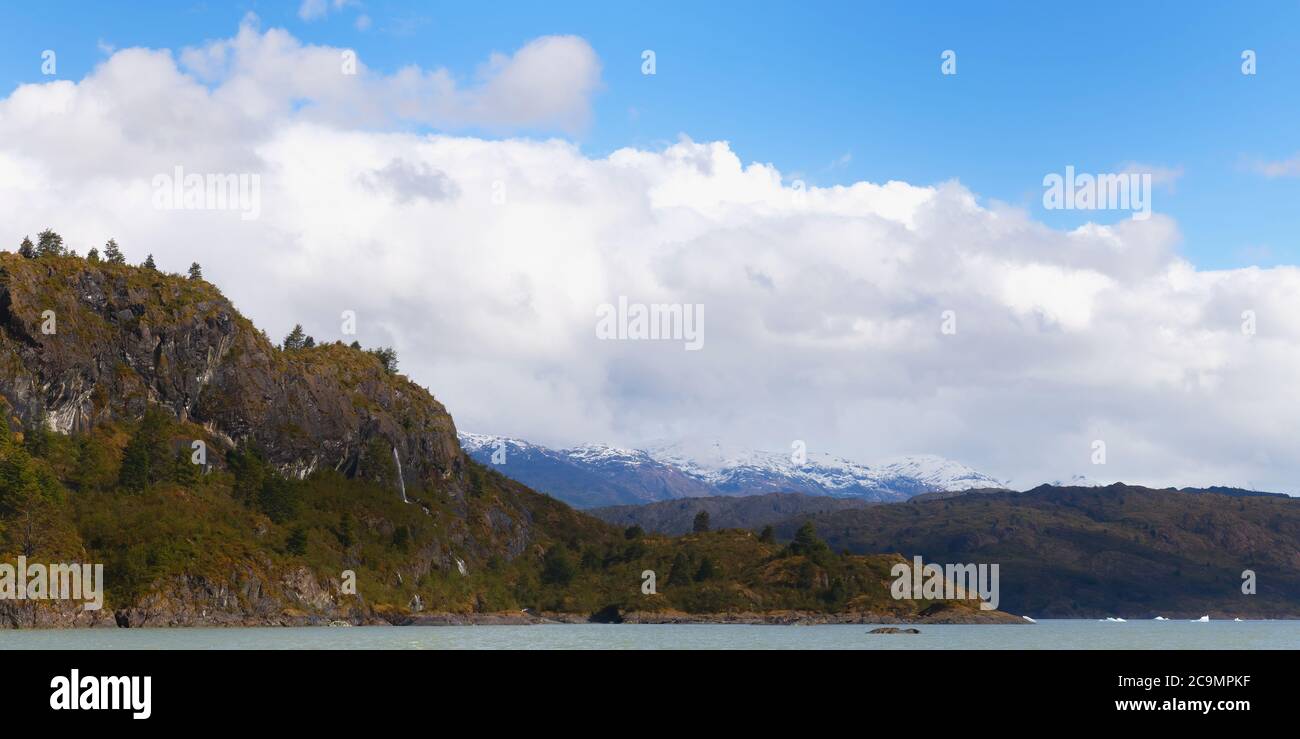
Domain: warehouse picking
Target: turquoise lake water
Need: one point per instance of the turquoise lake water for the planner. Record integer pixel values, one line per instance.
(1054, 634)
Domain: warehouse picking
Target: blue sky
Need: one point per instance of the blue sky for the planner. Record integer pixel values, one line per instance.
(847, 91)
(824, 313)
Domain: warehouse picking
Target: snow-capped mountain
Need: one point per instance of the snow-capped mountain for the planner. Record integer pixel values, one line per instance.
(598, 475)
(586, 476)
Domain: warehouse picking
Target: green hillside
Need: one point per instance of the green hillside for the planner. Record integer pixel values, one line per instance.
(301, 484)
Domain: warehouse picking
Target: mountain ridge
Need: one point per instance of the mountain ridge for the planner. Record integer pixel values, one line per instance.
(634, 476)
(1064, 551)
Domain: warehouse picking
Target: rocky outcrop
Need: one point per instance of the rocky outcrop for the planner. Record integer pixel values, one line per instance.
(82, 343)
(246, 598)
(52, 614)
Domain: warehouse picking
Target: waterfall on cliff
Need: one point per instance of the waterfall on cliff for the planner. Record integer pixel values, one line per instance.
(400, 480)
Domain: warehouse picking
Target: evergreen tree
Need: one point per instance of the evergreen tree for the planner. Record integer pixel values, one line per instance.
(401, 540)
(837, 593)
(19, 485)
(149, 263)
(805, 539)
(36, 437)
(184, 471)
(701, 524)
(807, 543)
(680, 574)
(706, 570)
(27, 250)
(809, 577)
(250, 470)
(345, 534)
(196, 272)
(355, 345)
(92, 256)
(633, 532)
(296, 339)
(23, 501)
(146, 459)
(134, 475)
(96, 465)
(297, 541)
(278, 498)
(308, 343)
(49, 244)
(768, 535)
(590, 558)
(112, 254)
(476, 481)
(387, 356)
(557, 566)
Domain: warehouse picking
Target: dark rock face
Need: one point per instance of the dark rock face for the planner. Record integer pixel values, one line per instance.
(125, 338)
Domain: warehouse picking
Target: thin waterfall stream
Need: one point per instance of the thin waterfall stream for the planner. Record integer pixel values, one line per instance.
(400, 479)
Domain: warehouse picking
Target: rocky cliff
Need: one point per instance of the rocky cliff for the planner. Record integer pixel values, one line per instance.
(83, 343)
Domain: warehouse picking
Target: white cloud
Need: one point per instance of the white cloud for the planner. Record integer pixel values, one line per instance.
(1279, 168)
(311, 10)
(483, 262)
(546, 85)
(1160, 175)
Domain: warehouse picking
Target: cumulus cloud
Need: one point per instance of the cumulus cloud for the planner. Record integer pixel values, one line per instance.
(265, 76)
(485, 261)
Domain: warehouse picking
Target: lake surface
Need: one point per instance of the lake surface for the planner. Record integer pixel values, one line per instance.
(1053, 634)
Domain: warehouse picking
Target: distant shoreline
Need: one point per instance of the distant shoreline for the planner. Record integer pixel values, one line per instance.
(506, 619)
(110, 620)
(513, 618)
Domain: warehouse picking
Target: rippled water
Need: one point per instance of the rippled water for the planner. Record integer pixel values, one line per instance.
(1055, 634)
